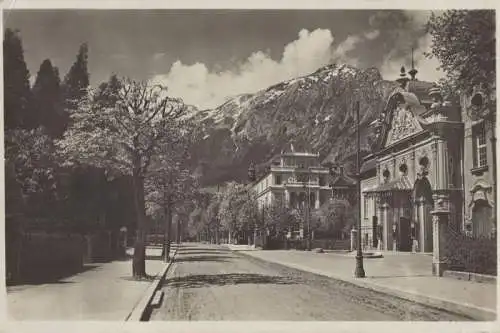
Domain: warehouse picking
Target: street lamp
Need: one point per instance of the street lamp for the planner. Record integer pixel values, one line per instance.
(308, 208)
(360, 271)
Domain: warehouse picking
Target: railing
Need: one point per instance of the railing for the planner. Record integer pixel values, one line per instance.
(470, 254)
(297, 182)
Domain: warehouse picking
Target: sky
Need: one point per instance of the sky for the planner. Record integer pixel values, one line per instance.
(206, 56)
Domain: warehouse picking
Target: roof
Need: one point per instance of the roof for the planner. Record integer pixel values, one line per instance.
(297, 147)
(342, 181)
(369, 165)
(400, 184)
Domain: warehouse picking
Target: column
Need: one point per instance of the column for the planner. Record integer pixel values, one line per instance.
(422, 234)
(353, 239)
(417, 244)
(385, 223)
(287, 197)
(317, 203)
(440, 225)
(379, 212)
(440, 220)
(395, 229)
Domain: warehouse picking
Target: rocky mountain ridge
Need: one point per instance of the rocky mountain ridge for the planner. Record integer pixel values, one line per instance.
(316, 110)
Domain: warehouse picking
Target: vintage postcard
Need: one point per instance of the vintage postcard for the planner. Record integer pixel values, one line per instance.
(213, 168)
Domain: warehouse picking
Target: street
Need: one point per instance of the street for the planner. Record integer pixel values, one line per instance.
(209, 282)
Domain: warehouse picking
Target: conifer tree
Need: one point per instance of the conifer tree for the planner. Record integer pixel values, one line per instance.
(17, 94)
(47, 97)
(76, 82)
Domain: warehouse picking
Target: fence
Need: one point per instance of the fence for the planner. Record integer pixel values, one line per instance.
(37, 254)
(470, 254)
(301, 244)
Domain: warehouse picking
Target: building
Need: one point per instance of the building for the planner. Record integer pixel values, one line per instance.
(292, 177)
(432, 166)
(479, 164)
(342, 186)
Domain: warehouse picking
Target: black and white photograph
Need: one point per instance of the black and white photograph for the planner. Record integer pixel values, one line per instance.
(250, 165)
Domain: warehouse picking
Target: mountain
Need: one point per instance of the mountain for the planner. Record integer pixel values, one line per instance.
(314, 110)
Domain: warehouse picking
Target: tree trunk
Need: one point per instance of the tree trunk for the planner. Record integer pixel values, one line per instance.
(169, 233)
(178, 231)
(164, 251)
(217, 236)
(139, 260)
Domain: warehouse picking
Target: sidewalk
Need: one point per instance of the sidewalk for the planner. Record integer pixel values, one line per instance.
(406, 276)
(103, 292)
(234, 247)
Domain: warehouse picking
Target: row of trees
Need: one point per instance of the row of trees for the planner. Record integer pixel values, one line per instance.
(35, 117)
(61, 138)
(233, 210)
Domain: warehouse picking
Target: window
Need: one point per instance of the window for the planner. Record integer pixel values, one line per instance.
(321, 180)
(479, 146)
(302, 178)
(277, 180)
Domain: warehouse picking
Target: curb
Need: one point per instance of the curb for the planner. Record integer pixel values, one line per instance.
(469, 310)
(141, 309)
(479, 278)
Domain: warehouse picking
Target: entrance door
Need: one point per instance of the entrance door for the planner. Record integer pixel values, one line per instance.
(404, 234)
(374, 232)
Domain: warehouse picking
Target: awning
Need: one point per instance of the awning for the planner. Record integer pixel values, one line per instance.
(397, 185)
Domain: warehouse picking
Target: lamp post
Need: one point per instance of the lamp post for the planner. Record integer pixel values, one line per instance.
(307, 190)
(359, 271)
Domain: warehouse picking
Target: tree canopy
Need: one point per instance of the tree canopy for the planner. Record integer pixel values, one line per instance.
(17, 95)
(464, 43)
(123, 138)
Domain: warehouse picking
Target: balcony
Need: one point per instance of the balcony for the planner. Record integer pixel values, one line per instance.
(295, 182)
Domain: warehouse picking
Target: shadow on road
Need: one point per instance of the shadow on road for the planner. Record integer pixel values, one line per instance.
(204, 252)
(397, 276)
(200, 281)
(148, 278)
(203, 249)
(204, 258)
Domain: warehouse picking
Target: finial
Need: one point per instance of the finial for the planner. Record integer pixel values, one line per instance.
(403, 80)
(403, 71)
(413, 72)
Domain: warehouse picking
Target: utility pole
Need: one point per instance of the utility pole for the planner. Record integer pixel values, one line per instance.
(359, 272)
(309, 238)
(217, 222)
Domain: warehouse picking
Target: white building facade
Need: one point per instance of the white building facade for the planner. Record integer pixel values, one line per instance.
(293, 177)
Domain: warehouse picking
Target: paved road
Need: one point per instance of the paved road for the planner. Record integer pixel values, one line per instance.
(212, 283)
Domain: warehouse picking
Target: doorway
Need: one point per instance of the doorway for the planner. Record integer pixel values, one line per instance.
(404, 234)
(374, 232)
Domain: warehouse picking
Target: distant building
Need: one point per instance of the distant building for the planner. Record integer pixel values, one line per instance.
(293, 177)
(432, 160)
(343, 187)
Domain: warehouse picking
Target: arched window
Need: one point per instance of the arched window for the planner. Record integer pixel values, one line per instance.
(403, 169)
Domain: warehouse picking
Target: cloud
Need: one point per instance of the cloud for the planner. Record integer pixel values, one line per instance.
(158, 56)
(371, 35)
(405, 30)
(205, 88)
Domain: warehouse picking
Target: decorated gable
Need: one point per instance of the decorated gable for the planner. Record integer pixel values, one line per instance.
(402, 121)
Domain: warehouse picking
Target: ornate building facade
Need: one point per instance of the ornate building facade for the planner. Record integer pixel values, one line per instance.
(432, 170)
